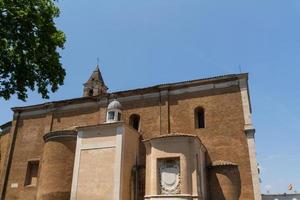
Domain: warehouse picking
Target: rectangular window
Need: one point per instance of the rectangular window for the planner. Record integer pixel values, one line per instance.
(32, 173)
(111, 115)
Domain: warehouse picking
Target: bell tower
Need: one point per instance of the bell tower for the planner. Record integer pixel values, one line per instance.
(95, 85)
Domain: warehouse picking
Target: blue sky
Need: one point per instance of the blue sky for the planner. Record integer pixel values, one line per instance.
(145, 42)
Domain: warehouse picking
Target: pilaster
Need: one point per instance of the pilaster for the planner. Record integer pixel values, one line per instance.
(250, 131)
(9, 155)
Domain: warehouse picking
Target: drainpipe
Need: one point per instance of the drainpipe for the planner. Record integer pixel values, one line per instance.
(169, 121)
(160, 112)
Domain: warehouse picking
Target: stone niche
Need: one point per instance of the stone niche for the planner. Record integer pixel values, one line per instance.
(175, 168)
(104, 158)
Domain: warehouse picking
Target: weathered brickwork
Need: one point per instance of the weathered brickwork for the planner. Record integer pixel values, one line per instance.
(223, 136)
(29, 146)
(57, 169)
(70, 119)
(4, 146)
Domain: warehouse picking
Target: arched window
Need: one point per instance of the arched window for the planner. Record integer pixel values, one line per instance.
(91, 92)
(134, 121)
(199, 117)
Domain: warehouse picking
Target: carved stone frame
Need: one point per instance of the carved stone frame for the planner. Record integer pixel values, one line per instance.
(162, 164)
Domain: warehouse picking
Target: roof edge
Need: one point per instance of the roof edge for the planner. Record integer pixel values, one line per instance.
(127, 92)
(5, 125)
(5, 128)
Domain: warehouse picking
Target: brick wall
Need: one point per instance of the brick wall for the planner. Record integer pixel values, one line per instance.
(223, 135)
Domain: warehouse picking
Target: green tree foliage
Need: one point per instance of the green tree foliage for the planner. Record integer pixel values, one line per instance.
(29, 44)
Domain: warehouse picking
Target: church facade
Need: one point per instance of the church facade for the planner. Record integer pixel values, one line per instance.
(191, 140)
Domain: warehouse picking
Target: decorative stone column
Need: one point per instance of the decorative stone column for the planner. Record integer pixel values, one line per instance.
(57, 166)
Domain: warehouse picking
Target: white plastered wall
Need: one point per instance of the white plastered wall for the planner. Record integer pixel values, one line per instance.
(95, 142)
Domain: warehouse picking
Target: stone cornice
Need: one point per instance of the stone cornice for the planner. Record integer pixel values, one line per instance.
(60, 134)
(249, 131)
(135, 94)
(5, 128)
(222, 163)
(97, 126)
(176, 135)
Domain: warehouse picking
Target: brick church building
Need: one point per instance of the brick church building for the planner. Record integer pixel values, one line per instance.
(191, 140)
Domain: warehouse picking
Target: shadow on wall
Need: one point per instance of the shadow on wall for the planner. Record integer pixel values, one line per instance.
(224, 182)
(57, 195)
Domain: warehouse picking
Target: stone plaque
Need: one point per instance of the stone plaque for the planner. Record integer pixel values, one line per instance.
(14, 185)
(169, 176)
